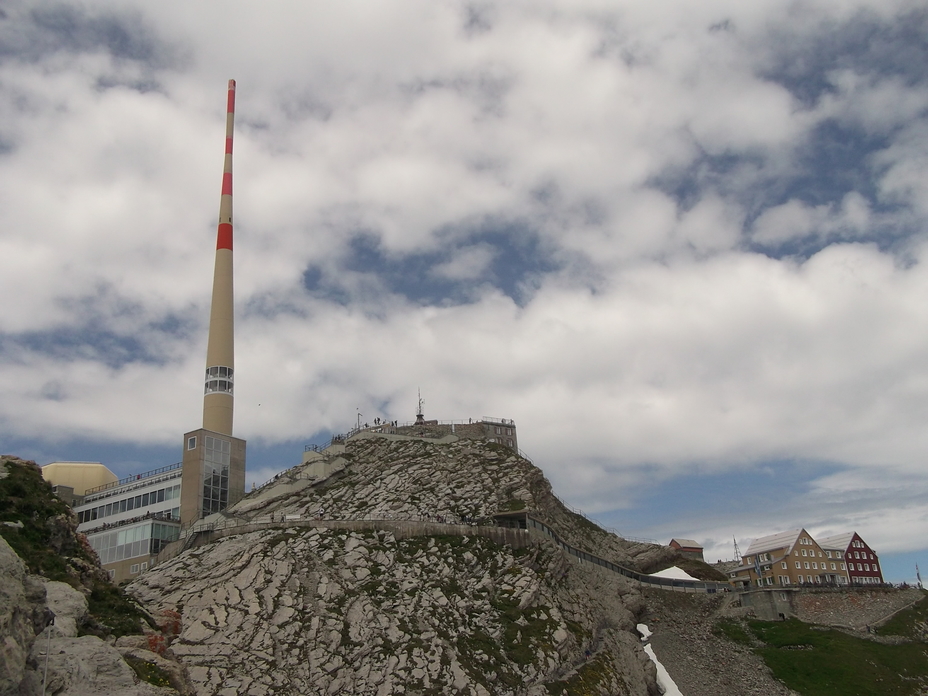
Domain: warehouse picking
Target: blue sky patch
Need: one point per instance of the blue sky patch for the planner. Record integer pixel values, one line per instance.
(517, 259)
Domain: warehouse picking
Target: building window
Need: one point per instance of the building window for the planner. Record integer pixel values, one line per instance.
(144, 566)
(867, 567)
(843, 567)
(803, 552)
(783, 565)
(219, 379)
(192, 442)
(807, 565)
(111, 573)
(134, 569)
(217, 455)
(833, 566)
(828, 553)
(837, 554)
(814, 565)
(798, 564)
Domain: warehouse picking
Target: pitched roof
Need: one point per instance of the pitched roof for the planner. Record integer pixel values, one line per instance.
(780, 540)
(839, 541)
(686, 542)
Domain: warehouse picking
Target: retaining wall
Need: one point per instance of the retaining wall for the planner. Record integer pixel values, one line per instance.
(852, 607)
(848, 607)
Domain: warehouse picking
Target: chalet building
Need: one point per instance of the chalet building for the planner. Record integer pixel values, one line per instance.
(863, 565)
(785, 559)
(687, 548)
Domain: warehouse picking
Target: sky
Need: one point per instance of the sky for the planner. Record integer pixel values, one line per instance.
(683, 245)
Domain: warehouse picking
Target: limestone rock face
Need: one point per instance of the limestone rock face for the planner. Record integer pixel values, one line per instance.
(410, 479)
(303, 608)
(87, 666)
(68, 605)
(323, 611)
(20, 603)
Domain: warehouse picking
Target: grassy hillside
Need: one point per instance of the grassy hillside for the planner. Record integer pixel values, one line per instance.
(817, 661)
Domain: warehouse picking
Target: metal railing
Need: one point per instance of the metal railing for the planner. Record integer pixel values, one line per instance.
(378, 427)
(499, 421)
(130, 479)
(661, 583)
(578, 511)
(162, 516)
(228, 526)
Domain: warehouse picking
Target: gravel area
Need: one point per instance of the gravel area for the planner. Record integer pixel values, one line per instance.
(701, 663)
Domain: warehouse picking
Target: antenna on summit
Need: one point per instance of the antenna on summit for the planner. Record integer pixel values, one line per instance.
(214, 460)
(420, 416)
(737, 550)
(220, 347)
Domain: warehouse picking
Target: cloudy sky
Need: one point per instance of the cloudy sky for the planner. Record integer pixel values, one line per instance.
(684, 245)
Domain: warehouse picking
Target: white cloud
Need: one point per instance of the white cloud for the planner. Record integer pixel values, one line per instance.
(619, 148)
(849, 218)
(466, 265)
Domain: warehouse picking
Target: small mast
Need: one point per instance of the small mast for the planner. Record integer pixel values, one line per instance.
(220, 350)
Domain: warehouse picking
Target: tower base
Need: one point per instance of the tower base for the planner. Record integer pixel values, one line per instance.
(213, 474)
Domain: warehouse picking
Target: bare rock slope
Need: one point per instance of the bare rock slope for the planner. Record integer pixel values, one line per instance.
(412, 479)
(317, 610)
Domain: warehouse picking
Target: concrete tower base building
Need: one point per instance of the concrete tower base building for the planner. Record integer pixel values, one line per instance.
(214, 473)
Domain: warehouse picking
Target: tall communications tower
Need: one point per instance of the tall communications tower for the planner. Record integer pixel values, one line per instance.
(214, 460)
(220, 348)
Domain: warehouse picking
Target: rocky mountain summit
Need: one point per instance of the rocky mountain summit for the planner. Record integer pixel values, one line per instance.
(306, 594)
(384, 477)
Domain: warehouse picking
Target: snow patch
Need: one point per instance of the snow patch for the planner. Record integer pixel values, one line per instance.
(674, 573)
(664, 682)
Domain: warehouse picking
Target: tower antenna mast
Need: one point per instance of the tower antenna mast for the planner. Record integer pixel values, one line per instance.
(220, 348)
(420, 415)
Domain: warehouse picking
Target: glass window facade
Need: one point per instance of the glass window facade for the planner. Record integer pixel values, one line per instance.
(217, 454)
(132, 542)
(131, 503)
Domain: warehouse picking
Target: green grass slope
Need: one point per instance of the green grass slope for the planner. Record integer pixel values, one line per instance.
(818, 661)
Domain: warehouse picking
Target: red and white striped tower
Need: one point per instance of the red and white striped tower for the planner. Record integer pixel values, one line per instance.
(220, 350)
